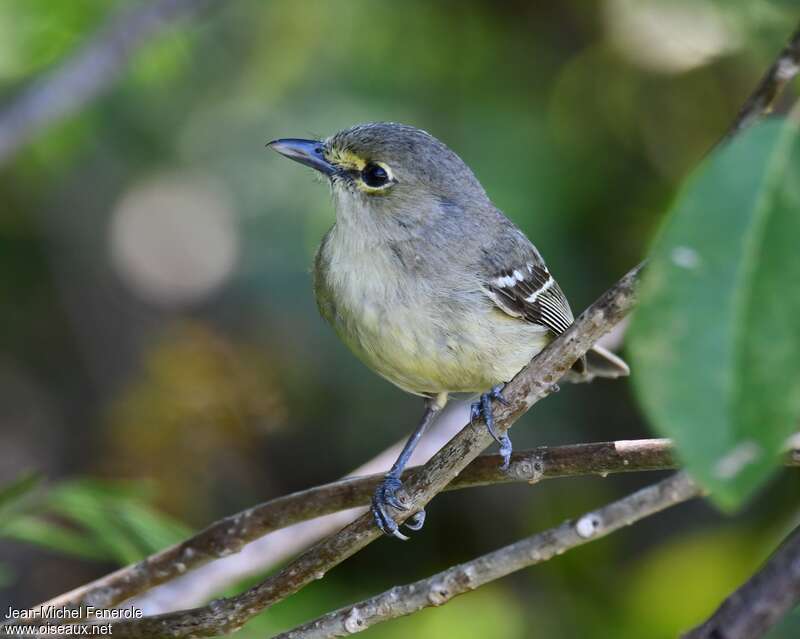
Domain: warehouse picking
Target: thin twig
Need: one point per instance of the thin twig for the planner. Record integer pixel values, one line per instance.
(87, 73)
(533, 383)
(442, 587)
(761, 601)
(761, 101)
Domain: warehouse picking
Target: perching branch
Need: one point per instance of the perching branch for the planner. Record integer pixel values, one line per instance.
(442, 587)
(230, 534)
(533, 383)
(67, 88)
(762, 601)
(761, 101)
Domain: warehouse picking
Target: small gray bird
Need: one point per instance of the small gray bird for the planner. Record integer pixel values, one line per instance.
(427, 282)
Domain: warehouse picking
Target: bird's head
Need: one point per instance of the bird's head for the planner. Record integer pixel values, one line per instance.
(389, 172)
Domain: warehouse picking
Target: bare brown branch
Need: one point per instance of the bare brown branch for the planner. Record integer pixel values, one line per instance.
(442, 587)
(79, 79)
(761, 101)
(762, 601)
(228, 535)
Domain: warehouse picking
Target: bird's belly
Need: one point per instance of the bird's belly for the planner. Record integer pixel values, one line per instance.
(423, 353)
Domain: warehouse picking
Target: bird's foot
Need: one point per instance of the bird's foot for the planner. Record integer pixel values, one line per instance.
(386, 496)
(483, 408)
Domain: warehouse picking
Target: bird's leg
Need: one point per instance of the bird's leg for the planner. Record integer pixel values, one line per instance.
(386, 493)
(483, 407)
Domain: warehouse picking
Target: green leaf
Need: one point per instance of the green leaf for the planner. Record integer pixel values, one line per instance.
(97, 520)
(152, 529)
(91, 506)
(34, 530)
(715, 342)
(15, 491)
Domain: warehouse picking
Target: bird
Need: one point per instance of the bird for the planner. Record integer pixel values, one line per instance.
(429, 283)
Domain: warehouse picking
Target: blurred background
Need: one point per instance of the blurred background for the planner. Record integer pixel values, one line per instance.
(162, 362)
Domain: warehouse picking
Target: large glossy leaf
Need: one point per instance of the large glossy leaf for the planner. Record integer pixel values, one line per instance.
(715, 342)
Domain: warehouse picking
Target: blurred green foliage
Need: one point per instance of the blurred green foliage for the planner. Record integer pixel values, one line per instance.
(89, 519)
(124, 353)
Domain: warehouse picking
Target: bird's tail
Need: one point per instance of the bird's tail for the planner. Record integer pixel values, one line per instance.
(598, 362)
(603, 363)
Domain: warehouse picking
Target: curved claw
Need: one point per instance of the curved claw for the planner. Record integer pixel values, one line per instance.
(416, 521)
(497, 393)
(505, 451)
(386, 523)
(475, 411)
(385, 496)
(386, 493)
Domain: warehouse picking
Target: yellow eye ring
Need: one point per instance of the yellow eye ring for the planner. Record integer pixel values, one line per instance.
(376, 176)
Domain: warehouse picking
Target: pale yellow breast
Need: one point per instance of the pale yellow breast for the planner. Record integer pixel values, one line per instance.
(402, 328)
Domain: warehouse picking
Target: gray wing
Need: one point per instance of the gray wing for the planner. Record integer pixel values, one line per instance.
(519, 283)
(530, 292)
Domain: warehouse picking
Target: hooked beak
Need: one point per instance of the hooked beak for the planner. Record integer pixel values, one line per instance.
(308, 152)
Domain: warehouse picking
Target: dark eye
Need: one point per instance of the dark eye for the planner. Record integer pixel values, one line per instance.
(374, 175)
